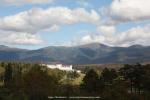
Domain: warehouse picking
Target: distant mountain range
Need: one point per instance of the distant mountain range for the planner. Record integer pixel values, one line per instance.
(93, 53)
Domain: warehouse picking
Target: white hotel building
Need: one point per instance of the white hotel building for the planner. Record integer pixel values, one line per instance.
(60, 66)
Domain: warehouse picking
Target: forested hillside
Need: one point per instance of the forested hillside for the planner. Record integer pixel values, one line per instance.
(93, 53)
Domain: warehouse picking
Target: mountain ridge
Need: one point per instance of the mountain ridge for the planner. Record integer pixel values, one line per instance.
(94, 53)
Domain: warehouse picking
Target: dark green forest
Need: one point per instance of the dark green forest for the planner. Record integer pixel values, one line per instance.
(25, 81)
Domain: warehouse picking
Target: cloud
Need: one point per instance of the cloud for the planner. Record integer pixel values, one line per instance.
(129, 10)
(38, 19)
(25, 25)
(54, 28)
(19, 38)
(22, 2)
(137, 35)
(106, 29)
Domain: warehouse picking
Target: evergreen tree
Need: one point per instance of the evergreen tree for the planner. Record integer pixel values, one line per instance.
(108, 76)
(38, 85)
(90, 81)
(8, 75)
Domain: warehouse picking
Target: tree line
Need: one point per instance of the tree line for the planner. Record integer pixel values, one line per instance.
(131, 82)
(22, 81)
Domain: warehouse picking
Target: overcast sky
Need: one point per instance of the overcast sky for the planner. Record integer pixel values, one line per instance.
(34, 24)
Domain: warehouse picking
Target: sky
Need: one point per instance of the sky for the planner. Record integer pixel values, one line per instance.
(33, 24)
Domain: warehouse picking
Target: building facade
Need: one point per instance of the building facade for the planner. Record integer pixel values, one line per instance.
(60, 67)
